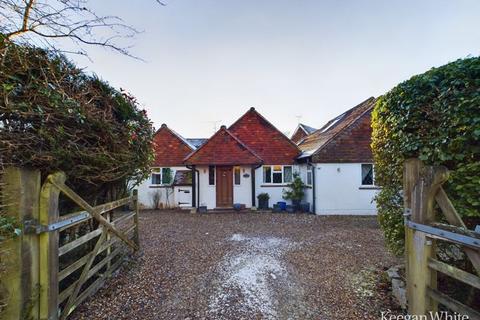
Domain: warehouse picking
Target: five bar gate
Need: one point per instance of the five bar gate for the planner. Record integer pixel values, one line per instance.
(422, 191)
(47, 279)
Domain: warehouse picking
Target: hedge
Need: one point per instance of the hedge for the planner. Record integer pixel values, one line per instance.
(54, 116)
(434, 116)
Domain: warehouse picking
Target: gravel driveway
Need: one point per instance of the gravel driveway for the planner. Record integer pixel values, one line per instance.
(249, 266)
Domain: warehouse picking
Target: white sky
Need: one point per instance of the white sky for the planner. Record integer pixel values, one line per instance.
(211, 60)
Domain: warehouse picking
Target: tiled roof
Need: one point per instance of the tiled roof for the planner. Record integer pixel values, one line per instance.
(182, 178)
(347, 137)
(223, 148)
(270, 144)
(170, 148)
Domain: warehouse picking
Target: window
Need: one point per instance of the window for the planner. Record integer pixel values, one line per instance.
(367, 175)
(236, 175)
(309, 176)
(167, 176)
(211, 175)
(267, 174)
(287, 174)
(277, 174)
(162, 176)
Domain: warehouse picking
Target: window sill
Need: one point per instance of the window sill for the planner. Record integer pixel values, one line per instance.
(369, 188)
(273, 185)
(157, 186)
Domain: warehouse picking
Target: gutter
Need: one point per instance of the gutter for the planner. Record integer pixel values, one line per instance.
(313, 185)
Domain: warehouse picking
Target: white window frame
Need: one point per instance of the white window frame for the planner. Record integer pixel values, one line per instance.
(214, 170)
(309, 170)
(373, 175)
(240, 175)
(271, 174)
(159, 171)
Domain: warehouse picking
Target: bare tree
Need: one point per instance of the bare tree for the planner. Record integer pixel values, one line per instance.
(47, 20)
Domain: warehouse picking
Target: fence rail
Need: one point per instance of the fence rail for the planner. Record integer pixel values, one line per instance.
(65, 258)
(422, 192)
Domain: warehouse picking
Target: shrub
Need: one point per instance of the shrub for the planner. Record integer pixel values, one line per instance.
(53, 116)
(296, 189)
(434, 116)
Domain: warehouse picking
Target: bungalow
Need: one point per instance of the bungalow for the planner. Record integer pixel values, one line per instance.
(170, 182)
(252, 156)
(238, 163)
(337, 163)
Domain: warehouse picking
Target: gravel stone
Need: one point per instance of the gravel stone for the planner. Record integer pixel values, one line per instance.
(249, 266)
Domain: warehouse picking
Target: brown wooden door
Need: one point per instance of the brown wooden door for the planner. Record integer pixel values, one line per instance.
(224, 182)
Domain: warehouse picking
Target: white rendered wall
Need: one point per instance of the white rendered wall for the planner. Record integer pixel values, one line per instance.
(339, 191)
(274, 191)
(241, 193)
(146, 191)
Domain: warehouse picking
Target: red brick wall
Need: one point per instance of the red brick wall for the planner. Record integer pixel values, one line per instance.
(170, 150)
(350, 145)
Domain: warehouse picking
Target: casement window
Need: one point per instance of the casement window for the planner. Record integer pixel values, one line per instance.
(309, 181)
(277, 174)
(162, 176)
(368, 174)
(236, 175)
(211, 175)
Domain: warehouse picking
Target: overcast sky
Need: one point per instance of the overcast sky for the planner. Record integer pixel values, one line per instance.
(209, 61)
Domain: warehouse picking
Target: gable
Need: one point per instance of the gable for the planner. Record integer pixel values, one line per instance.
(298, 135)
(169, 148)
(264, 139)
(352, 145)
(223, 149)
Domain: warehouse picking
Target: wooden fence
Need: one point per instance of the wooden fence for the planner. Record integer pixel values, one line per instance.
(61, 259)
(423, 194)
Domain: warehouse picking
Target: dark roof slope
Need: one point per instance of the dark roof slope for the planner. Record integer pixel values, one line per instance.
(197, 142)
(330, 135)
(170, 148)
(223, 148)
(306, 128)
(269, 143)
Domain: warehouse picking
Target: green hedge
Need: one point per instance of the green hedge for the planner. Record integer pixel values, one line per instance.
(434, 116)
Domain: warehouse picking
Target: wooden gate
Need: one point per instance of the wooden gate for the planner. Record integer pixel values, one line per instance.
(422, 192)
(64, 258)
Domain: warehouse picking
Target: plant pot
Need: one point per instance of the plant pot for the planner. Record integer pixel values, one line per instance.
(282, 205)
(263, 204)
(296, 205)
(202, 209)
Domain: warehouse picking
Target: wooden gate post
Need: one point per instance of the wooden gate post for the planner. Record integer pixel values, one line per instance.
(421, 184)
(21, 195)
(48, 278)
(136, 207)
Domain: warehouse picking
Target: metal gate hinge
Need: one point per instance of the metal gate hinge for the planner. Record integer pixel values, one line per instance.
(33, 227)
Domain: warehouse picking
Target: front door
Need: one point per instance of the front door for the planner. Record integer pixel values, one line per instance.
(224, 184)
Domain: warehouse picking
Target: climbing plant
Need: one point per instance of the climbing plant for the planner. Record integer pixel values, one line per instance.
(434, 116)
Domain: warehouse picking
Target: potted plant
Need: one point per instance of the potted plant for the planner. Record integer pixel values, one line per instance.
(295, 191)
(263, 200)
